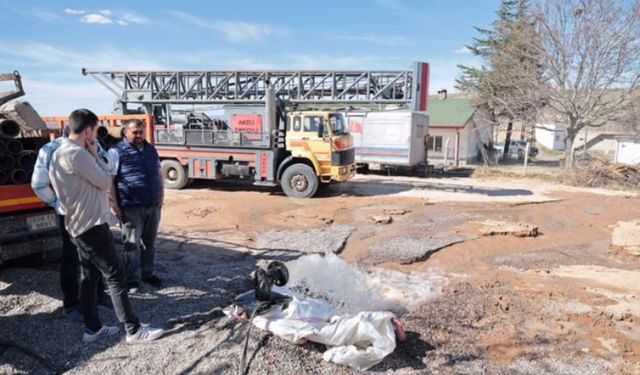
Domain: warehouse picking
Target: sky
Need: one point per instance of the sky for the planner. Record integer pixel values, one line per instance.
(49, 42)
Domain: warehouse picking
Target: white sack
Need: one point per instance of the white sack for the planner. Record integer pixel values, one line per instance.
(359, 340)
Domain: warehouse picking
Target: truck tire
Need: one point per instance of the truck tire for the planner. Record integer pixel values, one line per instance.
(174, 174)
(299, 181)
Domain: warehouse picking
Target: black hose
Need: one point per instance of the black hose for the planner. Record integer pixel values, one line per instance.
(243, 361)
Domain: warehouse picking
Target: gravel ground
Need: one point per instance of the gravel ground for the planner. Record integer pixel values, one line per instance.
(483, 316)
(306, 241)
(203, 276)
(410, 250)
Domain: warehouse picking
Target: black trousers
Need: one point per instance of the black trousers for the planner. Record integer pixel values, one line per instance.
(70, 271)
(98, 257)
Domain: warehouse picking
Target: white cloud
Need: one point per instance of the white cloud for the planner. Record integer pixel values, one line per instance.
(96, 18)
(390, 40)
(330, 62)
(238, 32)
(234, 31)
(462, 50)
(443, 72)
(44, 55)
(129, 18)
(105, 12)
(74, 11)
(52, 75)
(46, 16)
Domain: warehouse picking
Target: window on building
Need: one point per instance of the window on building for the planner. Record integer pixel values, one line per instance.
(435, 143)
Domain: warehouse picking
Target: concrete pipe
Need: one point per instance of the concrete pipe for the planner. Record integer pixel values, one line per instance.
(19, 176)
(3, 178)
(7, 162)
(14, 147)
(26, 160)
(9, 129)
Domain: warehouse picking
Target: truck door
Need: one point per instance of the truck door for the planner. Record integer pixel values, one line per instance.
(304, 132)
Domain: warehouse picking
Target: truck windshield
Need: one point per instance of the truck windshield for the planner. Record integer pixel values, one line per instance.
(337, 124)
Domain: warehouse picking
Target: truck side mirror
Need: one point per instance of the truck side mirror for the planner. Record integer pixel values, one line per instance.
(320, 130)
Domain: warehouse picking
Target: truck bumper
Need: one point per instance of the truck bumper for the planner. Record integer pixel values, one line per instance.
(343, 173)
(41, 244)
(28, 233)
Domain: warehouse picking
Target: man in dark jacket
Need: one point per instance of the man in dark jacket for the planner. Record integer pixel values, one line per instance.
(138, 202)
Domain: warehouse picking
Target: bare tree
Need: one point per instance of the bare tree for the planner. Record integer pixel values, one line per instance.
(590, 55)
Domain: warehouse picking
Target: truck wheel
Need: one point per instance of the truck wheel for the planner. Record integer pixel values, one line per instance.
(174, 174)
(299, 181)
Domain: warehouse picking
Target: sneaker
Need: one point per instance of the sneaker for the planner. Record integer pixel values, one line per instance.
(133, 287)
(144, 334)
(153, 281)
(74, 314)
(89, 336)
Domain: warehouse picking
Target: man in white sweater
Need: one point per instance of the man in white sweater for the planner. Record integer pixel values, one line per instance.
(81, 181)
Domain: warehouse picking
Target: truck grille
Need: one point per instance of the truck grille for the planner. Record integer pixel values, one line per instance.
(341, 158)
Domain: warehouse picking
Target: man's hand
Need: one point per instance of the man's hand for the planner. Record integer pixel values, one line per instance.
(116, 211)
(92, 147)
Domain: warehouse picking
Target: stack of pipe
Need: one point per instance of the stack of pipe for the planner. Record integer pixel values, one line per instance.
(17, 155)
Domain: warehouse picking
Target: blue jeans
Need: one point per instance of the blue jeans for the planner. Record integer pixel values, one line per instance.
(139, 233)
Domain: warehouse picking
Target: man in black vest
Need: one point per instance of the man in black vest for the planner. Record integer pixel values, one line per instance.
(137, 202)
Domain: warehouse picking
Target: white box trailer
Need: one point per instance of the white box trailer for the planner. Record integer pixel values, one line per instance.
(389, 138)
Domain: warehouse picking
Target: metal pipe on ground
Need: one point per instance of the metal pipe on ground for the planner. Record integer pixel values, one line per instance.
(26, 160)
(14, 147)
(19, 176)
(9, 129)
(7, 162)
(33, 143)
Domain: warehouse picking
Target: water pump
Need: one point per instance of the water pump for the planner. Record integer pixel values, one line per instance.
(275, 274)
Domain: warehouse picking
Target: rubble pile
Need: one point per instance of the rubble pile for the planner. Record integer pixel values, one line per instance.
(600, 173)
